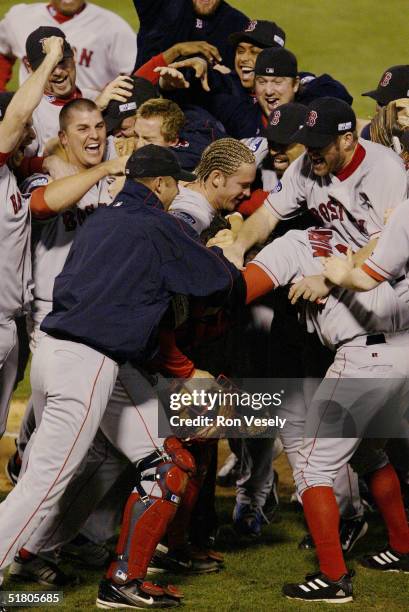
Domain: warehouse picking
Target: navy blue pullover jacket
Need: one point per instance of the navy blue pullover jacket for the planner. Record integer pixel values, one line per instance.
(124, 266)
(166, 22)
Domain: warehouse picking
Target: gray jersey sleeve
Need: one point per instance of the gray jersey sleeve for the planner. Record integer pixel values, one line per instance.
(280, 259)
(391, 255)
(286, 198)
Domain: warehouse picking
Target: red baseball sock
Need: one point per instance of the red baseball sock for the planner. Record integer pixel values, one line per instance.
(385, 488)
(322, 515)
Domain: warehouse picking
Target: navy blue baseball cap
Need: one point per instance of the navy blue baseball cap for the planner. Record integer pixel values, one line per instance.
(34, 45)
(153, 160)
(116, 111)
(276, 62)
(260, 33)
(283, 122)
(326, 118)
(394, 84)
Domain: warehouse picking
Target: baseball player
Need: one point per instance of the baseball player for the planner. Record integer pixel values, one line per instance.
(15, 129)
(104, 43)
(388, 262)
(61, 87)
(366, 333)
(163, 24)
(95, 371)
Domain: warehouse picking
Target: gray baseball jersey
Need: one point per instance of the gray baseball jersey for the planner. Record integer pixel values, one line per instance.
(15, 263)
(354, 202)
(390, 258)
(345, 314)
(54, 241)
(193, 208)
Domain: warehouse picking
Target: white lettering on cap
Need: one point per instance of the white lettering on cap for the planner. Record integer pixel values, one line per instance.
(278, 40)
(270, 70)
(126, 107)
(344, 126)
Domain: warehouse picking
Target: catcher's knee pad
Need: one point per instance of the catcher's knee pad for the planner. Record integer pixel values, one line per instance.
(146, 518)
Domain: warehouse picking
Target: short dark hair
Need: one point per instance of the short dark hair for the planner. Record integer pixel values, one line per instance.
(80, 104)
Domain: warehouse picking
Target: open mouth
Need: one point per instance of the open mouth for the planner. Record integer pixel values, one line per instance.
(59, 81)
(247, 72)
(281, 162)
(318, 163)
(272, 103)
(93, 149)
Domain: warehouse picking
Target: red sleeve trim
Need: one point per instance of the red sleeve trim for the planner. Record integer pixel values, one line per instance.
(3, 158)
(38, 205)
(147, 70)
(378, 277)
(257, 281)
(171, 359)
(248, 207)
(6, 70)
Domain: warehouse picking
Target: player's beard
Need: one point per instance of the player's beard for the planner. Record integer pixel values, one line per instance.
(204, 8)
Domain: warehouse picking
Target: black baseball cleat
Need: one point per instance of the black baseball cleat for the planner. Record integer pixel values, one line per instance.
(351, 531)
(317, 587)
(182, 562)
(307, 543)
(137, 595)
(13, 468)
(387, 560)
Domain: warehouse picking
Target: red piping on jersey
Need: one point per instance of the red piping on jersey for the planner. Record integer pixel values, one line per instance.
(264, 121)
(350, 168)
(378, 277)
(62, 101)
(59, 17)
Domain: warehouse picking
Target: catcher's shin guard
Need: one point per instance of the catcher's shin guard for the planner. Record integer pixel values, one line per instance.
(146, 518)
(178, 529)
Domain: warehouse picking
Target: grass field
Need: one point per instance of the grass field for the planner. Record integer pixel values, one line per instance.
(354, 40)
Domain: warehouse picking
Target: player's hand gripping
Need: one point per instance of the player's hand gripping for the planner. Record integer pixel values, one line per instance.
(210, 52)
(53, 48)
(119, 89)
(337, 270)
(311, 288)
(116, 167)
(170, 78)
(200, 67)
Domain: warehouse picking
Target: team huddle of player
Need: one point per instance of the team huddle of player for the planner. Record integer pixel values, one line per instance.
(180, 205)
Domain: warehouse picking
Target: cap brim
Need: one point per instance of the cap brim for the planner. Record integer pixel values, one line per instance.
(375, 94)
(112, 123)
(238, 37)
(183, 175)
(312, 139)
(276, 134)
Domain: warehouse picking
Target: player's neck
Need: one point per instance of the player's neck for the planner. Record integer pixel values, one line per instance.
(200, 187)
(348, 157)
(60, 17)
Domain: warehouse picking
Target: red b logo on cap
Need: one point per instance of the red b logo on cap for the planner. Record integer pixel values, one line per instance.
(385, 79)
(251, 26)
(312, 118)
(276, 117)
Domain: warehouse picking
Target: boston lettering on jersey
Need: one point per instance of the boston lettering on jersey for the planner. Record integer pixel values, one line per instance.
(76, 217)
(322, 244)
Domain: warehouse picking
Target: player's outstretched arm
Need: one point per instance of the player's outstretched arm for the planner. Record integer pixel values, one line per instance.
(65, 192)
(28, 96)
(342, 272)
(256, 229)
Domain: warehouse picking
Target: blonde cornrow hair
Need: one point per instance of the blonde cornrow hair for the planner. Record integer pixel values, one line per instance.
(225, 155)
